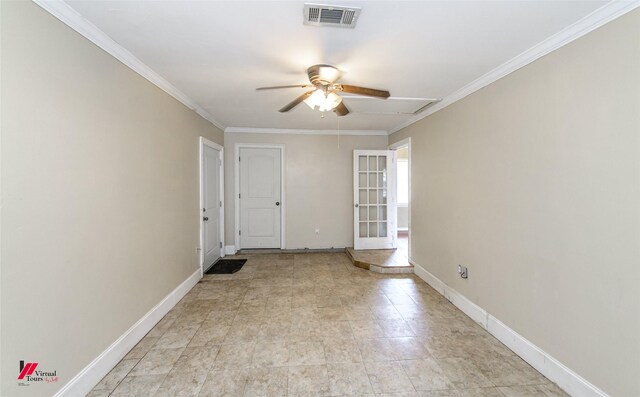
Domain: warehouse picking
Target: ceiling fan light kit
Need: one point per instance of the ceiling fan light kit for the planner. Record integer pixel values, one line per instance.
(324, 103)
(324, 96)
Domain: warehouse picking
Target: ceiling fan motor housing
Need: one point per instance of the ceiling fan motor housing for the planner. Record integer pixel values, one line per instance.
(323, 74)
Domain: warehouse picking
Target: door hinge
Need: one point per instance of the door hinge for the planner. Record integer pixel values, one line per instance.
(239, 195)
(238, 159)
(221, 204)
(221, 244)
(239, 232)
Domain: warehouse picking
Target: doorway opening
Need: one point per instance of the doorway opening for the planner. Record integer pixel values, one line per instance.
(403, 181)
(211, 212)
(376, 246)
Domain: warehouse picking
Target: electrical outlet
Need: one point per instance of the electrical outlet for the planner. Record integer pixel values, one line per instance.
(463, 272)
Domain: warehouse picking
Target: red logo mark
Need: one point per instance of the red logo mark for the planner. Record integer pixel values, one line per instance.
(26, 370)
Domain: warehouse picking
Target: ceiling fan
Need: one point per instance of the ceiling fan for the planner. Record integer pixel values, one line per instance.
(324, 95)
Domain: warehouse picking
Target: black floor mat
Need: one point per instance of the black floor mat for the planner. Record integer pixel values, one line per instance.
(227, 266)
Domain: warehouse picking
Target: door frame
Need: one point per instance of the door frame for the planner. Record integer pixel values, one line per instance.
(283, 201)
(204, 142)
(395, 146)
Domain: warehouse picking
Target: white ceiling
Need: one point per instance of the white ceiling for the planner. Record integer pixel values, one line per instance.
(217, 53)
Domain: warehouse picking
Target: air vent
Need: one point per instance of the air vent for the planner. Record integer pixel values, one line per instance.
(324, 15)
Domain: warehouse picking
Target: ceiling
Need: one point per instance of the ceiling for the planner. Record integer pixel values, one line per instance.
(218, 52)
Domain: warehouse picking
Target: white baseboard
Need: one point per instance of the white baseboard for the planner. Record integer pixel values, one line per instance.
(230, 249)
(542, 361)
(84, 381)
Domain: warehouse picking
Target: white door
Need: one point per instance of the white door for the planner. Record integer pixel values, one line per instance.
(260, 201)
(211, 200)
(374, 195)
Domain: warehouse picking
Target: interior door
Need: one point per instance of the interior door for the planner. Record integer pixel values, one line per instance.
(375, 199)
(260, 201)
(211, 163)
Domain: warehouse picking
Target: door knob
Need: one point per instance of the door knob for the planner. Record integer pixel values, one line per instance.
(206, 218)
(357, 205)
(277, 203)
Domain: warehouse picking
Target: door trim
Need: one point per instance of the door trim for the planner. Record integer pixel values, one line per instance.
(204, 142)
(283, 201)
(395, 146)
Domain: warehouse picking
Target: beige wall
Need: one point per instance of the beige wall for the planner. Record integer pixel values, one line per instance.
(403, 217)
(534, 183)
(319, 185)
(99, 196)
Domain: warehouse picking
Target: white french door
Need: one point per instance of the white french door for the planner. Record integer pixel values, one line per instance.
(374, 192)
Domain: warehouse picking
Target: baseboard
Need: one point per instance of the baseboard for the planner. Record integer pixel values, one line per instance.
(282, 251)
(230, 249)
(84, 381)
(542, 361)
(313, 250)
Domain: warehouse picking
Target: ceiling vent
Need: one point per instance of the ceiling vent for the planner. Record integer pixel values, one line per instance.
(324, 15)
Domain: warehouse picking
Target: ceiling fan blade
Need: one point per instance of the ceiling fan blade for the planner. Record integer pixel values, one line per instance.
(354, 89)
(284, 86)
(341, 109)
(296, 101)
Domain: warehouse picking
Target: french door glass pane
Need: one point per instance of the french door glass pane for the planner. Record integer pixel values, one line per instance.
(363, 213)
(362, 161)
(373, 179)
(382, 163)
(382, 196)
(382, 179)
(373, 215)
(382, 231)
(362, 179)
(372, 163)
(373, 229)
(363, 229)
(373, 196)
(362, 200)
(382, 212)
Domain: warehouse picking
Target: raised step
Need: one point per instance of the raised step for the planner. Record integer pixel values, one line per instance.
(380, 261)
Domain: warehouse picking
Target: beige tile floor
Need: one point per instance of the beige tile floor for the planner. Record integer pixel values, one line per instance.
(315, 325)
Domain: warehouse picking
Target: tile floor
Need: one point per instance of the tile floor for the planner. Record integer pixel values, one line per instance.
(315, 325)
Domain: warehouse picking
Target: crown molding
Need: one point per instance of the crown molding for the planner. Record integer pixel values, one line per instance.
(77, 22)
(599, 17)
(253, 130)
